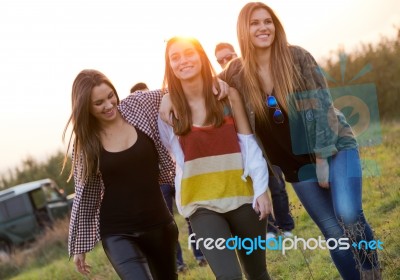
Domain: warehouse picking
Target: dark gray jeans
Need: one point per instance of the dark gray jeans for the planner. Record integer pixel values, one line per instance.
(243, 223)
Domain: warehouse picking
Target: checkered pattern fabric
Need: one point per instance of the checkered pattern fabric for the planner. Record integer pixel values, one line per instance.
(141, 111)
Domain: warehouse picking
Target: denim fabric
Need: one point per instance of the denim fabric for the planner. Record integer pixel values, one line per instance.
(338, 211)
(280, 203)
(169, 195)
(325, 132)
(325, 129)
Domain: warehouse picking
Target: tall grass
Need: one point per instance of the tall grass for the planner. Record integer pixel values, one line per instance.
(47, 257)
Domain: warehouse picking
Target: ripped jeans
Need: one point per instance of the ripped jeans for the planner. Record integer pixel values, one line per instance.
(338, 212)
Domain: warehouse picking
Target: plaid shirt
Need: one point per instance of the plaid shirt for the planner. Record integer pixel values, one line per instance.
(141, 111)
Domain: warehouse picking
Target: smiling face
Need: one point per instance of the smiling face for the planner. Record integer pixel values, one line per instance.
(184, 60)
(262, 29)
(103, 103)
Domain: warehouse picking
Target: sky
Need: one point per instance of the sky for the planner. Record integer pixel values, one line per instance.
(44, 44)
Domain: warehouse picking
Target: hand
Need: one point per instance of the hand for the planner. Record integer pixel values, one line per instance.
(263, 205)
(167, 109)
(322, 169)
(224, 90)
(81, 265)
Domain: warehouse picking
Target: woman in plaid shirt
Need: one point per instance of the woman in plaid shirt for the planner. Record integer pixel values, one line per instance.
(118, 165)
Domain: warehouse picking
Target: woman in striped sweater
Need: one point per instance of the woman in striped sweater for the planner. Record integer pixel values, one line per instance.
(212, 144)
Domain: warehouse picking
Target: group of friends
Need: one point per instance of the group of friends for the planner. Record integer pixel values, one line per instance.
(215, 143)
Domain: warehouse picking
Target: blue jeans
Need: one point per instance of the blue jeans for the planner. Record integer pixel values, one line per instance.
(169, 194)
(338, 212)
(280, 203)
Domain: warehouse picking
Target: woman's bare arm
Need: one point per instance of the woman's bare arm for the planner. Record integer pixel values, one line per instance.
(239, 112)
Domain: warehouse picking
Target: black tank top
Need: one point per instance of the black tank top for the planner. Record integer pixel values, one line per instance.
(132, 199)
(277, 143)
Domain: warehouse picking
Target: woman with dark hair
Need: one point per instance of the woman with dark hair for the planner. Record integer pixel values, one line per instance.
(118, 164)
(291, 113)
(215, 151)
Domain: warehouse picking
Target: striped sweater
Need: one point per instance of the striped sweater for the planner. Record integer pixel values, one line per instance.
(212, 165)
(212, 170)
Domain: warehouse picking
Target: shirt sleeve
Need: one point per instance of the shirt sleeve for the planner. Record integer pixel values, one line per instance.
(171, 142)
(84, 222)
(326, 122)
(254, 164)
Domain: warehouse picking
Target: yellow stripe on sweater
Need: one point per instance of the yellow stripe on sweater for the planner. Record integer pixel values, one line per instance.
(214, 185)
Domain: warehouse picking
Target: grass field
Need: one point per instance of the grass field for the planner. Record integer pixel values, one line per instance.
(47, 258)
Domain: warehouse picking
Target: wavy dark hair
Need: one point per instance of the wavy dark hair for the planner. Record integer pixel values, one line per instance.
(85, 135)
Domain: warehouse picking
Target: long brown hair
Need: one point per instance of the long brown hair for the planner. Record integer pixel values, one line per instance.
(85, 135)
(284, 75)
(214, 114)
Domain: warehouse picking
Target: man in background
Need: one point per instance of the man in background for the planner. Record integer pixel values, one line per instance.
(139, 86)
(224, 52)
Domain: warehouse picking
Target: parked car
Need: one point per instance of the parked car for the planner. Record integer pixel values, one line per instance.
(27, 209)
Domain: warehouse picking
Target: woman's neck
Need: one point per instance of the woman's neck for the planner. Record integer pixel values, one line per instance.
(116, 124)
(264, 70)
(193, 90)
(263, 57)
(196, 99)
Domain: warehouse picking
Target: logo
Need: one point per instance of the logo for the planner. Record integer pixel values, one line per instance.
(358, 103)
(282, 244)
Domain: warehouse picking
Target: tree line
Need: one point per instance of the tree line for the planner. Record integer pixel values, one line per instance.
(370, 63)
(31, 170)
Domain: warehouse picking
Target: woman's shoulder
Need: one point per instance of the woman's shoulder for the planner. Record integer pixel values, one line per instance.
(234, 66)
(149, 100)
(231, 72)
(298, 52)
(143, 96)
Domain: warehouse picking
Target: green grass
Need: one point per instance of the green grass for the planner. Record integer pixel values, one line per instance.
(48, 259)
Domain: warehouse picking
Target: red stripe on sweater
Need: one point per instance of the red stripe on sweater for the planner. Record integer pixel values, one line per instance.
(210, 141)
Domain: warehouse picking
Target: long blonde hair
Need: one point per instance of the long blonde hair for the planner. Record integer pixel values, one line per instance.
(85, 135)
(214, 114)
(284, 75)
